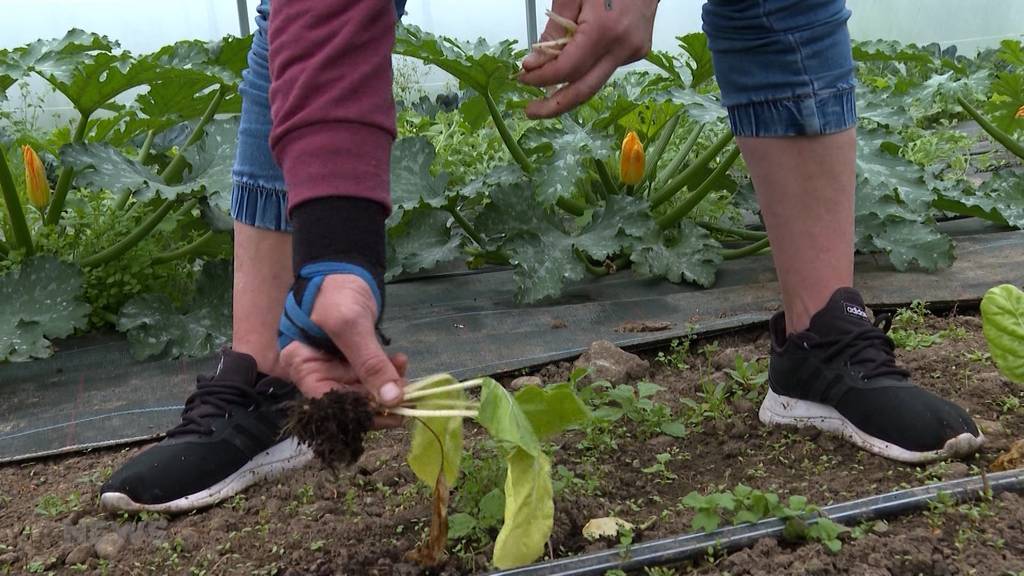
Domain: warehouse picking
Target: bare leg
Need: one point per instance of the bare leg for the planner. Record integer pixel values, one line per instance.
(263, 276)
(805, 186)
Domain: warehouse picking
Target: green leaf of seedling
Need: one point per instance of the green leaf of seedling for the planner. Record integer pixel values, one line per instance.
(460, 525)
(42, 301)
(674, 429)
(426, 455)
(156, 327)
(492, 508)
(706, 520)
(647, 389)
(551, 410)
(608, 413)
(1002, 311)
(746, 516)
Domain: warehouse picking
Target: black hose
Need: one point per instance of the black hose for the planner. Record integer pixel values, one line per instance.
(680, 548)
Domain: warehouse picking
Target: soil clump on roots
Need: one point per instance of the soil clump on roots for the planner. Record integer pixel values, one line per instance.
(333, 426)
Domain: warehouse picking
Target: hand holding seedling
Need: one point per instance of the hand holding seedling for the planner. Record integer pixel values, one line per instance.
(346, 310)
(584, 42)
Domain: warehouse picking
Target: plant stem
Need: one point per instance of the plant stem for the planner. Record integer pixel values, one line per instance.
(506, 136)
(679, 182)
(468, 228)
(185, 251)
(133, 238)
(146, 145)
(591, 268)
(15, 214)
(747, 250)
(574, 207)
(414, 390)
(681, 156)
(673, 217)
(741, 233)
(417, 413)
(172, 173)
(4, 250)
(659, 146)
(1002, 137)
(606, 179)
(60, 192)
(444, 403)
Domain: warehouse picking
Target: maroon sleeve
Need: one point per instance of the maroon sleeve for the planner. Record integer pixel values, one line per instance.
(331, 101)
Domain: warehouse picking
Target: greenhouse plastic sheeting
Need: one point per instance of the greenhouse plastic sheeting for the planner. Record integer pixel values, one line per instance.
(92, 393)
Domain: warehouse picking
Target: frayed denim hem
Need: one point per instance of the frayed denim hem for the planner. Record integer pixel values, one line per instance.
(812, 115)
(260, 206)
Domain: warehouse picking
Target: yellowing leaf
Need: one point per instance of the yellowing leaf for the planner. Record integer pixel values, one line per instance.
(607, 527)
(529, 510)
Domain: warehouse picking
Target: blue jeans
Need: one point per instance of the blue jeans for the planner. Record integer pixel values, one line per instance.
(258, 196)
(784, 68)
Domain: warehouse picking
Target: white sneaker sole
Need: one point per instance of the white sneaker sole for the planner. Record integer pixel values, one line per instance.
(285, 455)
(783, 410)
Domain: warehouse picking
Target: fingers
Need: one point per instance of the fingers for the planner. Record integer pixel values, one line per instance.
(572, 95)
(572, 63)
(552, 31)
(346, 310)
(315, 373)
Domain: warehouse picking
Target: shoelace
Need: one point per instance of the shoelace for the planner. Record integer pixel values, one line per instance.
(869, 347)
(213, 399)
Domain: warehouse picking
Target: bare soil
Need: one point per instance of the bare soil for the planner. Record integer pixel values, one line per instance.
(362, 520)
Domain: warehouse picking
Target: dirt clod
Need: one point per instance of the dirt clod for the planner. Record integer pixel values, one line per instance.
(333, 425)
(607, 361)
(637, 326)
(524, 381)
(79, 555)
(109, 545)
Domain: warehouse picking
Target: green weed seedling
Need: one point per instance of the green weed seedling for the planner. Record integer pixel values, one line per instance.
(712, 403)
(750, 377)
(662, 474)
(908, 329)
(678, 350)
(635, 403)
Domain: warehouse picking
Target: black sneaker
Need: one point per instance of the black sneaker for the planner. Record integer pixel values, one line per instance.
(841, 376)
(229, 438)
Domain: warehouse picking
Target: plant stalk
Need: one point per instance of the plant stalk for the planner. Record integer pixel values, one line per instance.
(1003, 138)
(749, 249)
(417, 413)
(659, 146)
(60, 191)
(15, 214)
(606, 179)
(741, 233)
(680, 157)
(468, 228)
(4, 250)
(146, 145)
(133, 238)
(591, 268)
(415, 389)
(673, 217)
(185, 251)
(679, 182)
(506, 136)
(173, 172)
(574, 207)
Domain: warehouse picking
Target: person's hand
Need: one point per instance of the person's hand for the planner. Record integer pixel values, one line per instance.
(346, 310)
(609, 33)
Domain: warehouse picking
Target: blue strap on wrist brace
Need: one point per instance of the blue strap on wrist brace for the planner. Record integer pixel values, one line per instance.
(296, 323)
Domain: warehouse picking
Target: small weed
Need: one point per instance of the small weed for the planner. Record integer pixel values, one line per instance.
(663, 474)
(317, 545)
(750, 377)
(659, 571)
(1007, 404)
(51, 505)
(635, 403)
(678, 350)
(979, 356)
(712, 403)
(908, 329)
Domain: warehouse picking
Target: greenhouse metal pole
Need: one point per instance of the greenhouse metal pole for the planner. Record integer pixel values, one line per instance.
(243, 18)
(531, 22)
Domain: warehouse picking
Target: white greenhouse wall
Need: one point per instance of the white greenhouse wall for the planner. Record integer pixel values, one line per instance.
(145, 26)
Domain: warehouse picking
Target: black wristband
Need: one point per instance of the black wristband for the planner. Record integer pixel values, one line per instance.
(340, 229)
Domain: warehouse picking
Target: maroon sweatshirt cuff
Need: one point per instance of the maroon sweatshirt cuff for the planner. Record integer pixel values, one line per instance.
(336, 159)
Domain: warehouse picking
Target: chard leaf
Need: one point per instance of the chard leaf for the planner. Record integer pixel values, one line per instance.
(685, 253)
(552, 409)
(156, 327)
(529, 506)
(426, 455)
(529, 510)
(1002, 312)
(42, 300)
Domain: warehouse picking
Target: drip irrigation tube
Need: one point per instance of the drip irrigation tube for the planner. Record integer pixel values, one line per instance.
(685, 547)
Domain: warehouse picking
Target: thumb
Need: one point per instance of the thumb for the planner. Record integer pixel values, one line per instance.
(350, 313)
